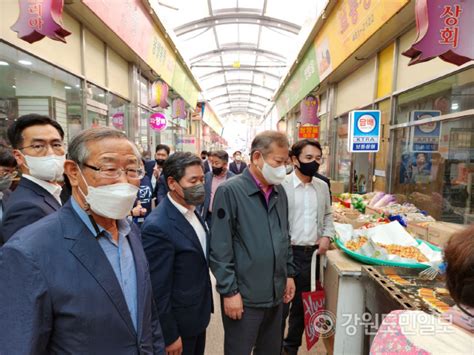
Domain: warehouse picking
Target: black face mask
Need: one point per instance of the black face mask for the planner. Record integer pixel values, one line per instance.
(194, 195)
(203, 158)
(217, 171)
(309, 169)
(160, 162)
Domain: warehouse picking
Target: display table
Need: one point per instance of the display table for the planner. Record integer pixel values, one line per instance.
(345, 299)
(391, 288)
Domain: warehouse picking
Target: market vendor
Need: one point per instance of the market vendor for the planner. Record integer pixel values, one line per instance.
(421, 333)
(311, 227)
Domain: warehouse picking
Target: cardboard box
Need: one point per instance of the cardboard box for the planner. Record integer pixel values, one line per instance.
(419, 230)
(337, 187)
(439, 233)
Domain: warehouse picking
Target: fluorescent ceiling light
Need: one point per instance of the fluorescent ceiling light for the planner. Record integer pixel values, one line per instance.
(68, 87)
(25, 62)
(3, 63)
(454, 106)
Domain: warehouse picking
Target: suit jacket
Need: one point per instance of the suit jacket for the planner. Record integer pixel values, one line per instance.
(60, 294)
(161, 189)
(235, 170)
(325, 219)
(149, 165)
(206, 166)
(26, 205)
(179, 272)
(326, 180)
(204, 208)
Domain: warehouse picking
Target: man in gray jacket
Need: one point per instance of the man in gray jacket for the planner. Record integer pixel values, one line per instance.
(250, 254)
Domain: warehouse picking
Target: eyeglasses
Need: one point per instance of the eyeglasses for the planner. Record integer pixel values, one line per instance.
(42, 148)
(10, 174)
(113, 172)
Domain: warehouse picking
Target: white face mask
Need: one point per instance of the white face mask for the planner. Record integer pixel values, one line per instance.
(48, 168)
(274, 176)
(112, 201)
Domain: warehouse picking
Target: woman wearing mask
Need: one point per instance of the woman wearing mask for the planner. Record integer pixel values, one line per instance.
(7, 174)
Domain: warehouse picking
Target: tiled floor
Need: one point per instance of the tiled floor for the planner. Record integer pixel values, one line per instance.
(215, 334)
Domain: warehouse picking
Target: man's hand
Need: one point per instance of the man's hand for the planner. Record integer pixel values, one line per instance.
(323, 245)
(234, 307)
(138, 210)
(289, 290)
(176, 348)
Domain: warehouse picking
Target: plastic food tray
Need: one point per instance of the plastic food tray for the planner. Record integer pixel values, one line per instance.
(373, 261)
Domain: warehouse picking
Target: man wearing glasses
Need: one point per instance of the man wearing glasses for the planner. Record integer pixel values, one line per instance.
(77, 281)
(39, 151)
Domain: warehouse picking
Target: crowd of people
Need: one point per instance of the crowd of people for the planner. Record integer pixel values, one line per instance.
(105, 252)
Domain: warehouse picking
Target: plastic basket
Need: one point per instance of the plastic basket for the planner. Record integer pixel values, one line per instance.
(373, 261)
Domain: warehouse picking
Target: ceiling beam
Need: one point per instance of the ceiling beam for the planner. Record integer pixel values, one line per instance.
(231, 102)
(238, 49)
(229, 16)
(231, 69)
(253, 85)
(241, 93)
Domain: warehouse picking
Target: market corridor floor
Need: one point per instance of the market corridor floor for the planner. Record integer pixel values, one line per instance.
(215, 332)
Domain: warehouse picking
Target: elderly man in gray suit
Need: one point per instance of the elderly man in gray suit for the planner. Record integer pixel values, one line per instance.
(311, 227)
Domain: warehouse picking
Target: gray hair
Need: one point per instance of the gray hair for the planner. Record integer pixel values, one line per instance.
(78, 150)
(221, 154)
(264, 140)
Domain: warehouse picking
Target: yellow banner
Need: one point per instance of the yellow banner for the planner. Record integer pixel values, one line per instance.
(350, 24)
(161, 58)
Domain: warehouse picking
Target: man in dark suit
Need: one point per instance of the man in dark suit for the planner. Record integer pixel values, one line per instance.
(77, 281)
(7, 174)
(237, 166)
(219, 161)
(176, 242)
(39, 151)
(159, 183)
(205, 160)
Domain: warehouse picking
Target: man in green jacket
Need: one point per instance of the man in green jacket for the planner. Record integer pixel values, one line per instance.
(250, 250)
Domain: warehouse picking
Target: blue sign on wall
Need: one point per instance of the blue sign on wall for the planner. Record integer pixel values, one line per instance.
(425, 137)
(364, 131)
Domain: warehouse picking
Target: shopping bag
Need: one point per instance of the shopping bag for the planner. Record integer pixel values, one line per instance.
(313, 303)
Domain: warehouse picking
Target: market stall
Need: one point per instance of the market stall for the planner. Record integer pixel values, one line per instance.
(382, 247)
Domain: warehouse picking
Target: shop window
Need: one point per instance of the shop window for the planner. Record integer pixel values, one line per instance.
(449, 95)
(344, 159)
(142, 140)
(29, 85)
(97, 109)
(119, 112)
(439, 178)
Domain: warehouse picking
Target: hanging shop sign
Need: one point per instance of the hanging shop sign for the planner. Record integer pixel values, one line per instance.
(425, 138)
(39, 19)
(308, 132)
(118, 120)
(309, 110)
(158, 121)
(444, 30)
(159, 94)
(179, 109)
(364, 131)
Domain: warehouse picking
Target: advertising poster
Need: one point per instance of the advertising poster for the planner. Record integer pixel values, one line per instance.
(425, 138)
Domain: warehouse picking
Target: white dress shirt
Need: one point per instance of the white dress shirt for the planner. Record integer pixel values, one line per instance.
(194, 221)
(53, 189)
(304, 224)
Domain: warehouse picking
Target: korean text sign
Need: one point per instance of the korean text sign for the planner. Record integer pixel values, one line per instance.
(364, 131)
